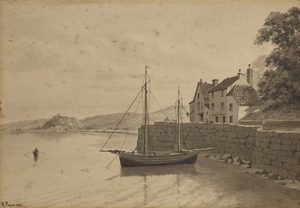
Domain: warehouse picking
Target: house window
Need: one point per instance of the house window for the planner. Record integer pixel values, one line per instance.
(198, 96)
(222, 105)
(202, 106)
(198, 105)
(231, 107)
(224, 119)
(212, 94)
(222, 93)
(213, 106)
(216, 119)
(231, 119)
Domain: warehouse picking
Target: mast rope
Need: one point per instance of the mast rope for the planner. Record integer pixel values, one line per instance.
(123, 117)
(159, 105)
(131, 122)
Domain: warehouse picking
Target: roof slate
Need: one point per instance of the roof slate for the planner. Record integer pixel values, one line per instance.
(224, 84)
(245, 95)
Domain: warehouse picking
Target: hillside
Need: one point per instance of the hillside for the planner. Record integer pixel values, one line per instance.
(130, 121)
(108, 121)
(22, 125)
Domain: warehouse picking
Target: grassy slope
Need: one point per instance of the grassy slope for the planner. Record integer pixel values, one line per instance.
(282, 113)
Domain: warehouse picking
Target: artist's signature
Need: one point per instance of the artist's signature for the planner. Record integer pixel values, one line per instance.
(6, 204)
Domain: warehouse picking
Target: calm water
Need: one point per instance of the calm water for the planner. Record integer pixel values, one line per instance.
(74, 173)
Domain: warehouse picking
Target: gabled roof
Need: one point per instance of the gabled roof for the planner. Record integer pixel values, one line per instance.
(245, 95)
(205, 87)
(224, 84)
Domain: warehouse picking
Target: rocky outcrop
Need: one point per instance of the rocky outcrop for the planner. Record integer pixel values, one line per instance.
(65, 123)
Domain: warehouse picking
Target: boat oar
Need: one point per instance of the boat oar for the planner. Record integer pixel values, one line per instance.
(27, 154)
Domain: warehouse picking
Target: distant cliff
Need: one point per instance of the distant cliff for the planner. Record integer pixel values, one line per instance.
(59, 122)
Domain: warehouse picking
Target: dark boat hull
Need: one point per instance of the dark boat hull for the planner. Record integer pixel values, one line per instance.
(128, 159)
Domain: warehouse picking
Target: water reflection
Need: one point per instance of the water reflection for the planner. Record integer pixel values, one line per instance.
(159, 170)
(168, 172)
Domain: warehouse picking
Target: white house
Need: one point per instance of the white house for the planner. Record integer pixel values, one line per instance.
(230, 100)
(225, 102)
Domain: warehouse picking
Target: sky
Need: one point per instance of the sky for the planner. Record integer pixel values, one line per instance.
(86, 59)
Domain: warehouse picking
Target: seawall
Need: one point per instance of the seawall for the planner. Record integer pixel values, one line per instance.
(275, 152)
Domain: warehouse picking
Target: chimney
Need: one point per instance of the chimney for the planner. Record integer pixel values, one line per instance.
(250, 75)
(215, 82)
(239, 74)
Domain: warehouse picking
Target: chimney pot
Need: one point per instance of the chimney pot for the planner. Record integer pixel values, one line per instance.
(250, 75)
(215, 82)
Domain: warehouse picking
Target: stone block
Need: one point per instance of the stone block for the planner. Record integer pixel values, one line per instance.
(292, 147)
(227, 127)
(233, 134)
(259, 159)
(266, 139)
(287, 166)
(297, 155)
(265, 167)
(275, 140)
(274, 170)
(276, 163)
(296, 142)
(282, 159)
(293, 161)
(264, 144)
(271, 157)
(205, 126)
(296, 168)
(266, 161)
(210, 126)
(219, 133)
(293, 175)
(295, 136)
(223, 139)
(287, 141)
(283, 172)
(285, 147)
(275, 146)
(218, 126)
(267, 150)
(289, 153)
(229, 139)
(242, 134)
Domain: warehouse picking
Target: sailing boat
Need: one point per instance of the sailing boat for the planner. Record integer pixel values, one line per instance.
(148, 158)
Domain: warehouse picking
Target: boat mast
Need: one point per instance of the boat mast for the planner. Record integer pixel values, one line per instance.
(145, 121)
(178, 119)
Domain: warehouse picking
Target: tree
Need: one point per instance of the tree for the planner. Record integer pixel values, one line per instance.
(280, 84)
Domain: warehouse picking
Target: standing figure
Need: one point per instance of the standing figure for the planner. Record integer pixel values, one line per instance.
(35, 154)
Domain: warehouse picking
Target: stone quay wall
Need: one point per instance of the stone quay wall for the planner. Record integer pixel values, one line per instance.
(275, 152)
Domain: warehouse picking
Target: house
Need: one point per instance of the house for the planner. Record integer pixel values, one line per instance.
(225, 102)
(231, 99)
(199, 107)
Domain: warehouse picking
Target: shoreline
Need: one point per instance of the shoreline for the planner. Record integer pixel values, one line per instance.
(75, 131)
